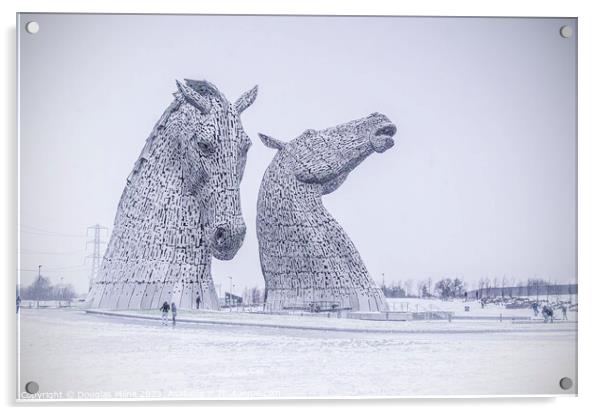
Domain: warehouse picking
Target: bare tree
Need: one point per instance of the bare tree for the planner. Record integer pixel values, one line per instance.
(42, 289)
(423, 289)
(512, 285)
(486, 285)
(408, 284)
(481, 285)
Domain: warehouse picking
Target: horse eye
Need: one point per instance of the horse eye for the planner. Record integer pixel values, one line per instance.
(206, 148)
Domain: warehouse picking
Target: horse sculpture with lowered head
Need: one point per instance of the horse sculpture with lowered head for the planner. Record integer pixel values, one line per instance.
(180, 206)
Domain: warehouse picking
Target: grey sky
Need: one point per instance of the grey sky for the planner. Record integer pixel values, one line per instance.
(480, 183)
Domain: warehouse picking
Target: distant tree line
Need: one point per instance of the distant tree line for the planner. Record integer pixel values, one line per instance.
(393, 291)
(444, 288)
(405, 289)
(253, 295)
(43, 290)
(448, 288)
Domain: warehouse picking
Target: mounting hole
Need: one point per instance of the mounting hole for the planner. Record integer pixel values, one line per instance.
(32, 387)
(32, 27)
(566, 383)
(566, 31)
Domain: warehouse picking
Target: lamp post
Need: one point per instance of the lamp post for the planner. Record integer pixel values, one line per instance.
(230, 297)
(38, 294)
(61, 293)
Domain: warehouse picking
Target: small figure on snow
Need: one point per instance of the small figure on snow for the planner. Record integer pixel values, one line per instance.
(198, 301)
(564, 310)
(164, 312)
(548, 314)
(173, 313)
(535, 307)
(18, 303)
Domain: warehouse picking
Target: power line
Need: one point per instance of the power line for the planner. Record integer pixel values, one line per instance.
(32, 230)
(35, 228)
(70, 267)
(95, 256)
(33, 252)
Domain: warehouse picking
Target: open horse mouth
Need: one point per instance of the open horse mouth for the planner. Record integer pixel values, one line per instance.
(382, 138)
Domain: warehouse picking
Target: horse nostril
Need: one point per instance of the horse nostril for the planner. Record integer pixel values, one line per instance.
(220, 236)
(228, 237)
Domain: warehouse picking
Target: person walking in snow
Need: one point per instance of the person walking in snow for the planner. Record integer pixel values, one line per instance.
(535, 308)
(164, 312)
(548, 314)
(198, 301)
(173, 313)
(564, 309)
(18, 303)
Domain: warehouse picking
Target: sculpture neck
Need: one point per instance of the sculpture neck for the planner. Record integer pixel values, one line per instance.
(298, 192)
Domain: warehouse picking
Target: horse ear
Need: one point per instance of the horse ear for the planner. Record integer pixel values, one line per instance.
(201, 87)
(194, 98)
(271, 142)
(246, 100)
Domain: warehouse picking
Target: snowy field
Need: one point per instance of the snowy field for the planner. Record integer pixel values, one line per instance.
(73, 355)
(475, 310)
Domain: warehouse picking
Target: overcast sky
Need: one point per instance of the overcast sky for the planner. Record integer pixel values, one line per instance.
(481, 181)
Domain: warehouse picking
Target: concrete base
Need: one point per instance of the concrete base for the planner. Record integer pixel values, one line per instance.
(385, 316)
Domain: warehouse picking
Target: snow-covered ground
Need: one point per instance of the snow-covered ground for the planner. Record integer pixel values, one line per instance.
(475, 309)
(73, 355)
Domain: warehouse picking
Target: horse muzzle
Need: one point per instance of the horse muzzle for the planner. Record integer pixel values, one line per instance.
(227, 239)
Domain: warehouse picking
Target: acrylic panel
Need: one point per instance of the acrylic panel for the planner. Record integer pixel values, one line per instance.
(245, 206)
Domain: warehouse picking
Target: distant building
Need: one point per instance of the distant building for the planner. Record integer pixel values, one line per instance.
(231, 299)
(524, 291)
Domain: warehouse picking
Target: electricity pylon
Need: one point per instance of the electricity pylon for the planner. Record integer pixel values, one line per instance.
(96, 241)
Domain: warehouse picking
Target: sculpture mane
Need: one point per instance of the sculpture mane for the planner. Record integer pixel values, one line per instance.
(180, 206)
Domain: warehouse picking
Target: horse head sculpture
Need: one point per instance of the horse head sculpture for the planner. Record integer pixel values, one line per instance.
(214, 153)
(307, 259)
(180, 207)
(327, 156)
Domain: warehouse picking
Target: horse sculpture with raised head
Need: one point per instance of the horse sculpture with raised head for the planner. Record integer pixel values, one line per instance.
(306, 257)
(180, 206)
